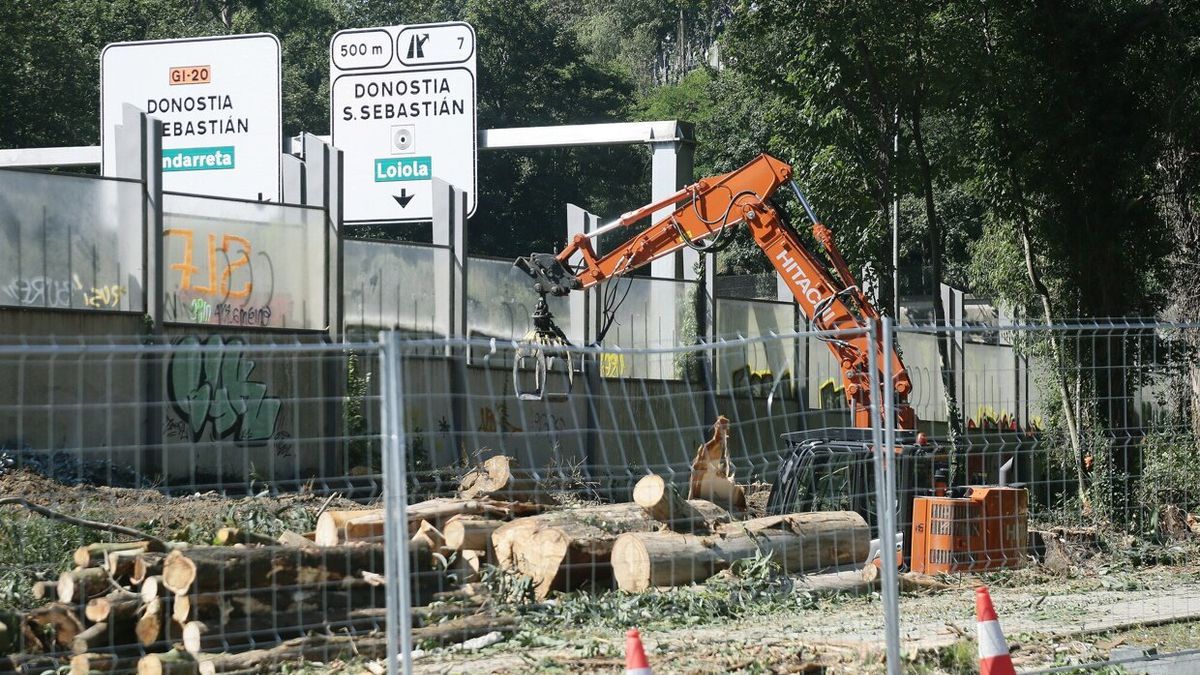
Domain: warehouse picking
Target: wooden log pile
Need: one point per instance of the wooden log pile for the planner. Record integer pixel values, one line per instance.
(248, 601)
(243, 603)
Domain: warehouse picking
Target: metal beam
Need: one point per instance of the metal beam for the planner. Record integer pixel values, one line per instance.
(43, 158)
(618, 133)
(615, 133)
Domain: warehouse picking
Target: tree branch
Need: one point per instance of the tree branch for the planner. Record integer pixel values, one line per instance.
(90, 524)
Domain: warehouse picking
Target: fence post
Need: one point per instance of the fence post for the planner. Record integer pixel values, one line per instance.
(885, 488)
(395, 497)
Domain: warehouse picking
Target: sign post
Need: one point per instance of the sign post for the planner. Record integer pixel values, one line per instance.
(403, 111)
(219, 102)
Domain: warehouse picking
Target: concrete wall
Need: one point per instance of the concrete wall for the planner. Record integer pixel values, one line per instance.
(89, 404)
(233, 415)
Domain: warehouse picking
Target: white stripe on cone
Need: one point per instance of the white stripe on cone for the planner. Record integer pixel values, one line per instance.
(991, 640)
(639, 671)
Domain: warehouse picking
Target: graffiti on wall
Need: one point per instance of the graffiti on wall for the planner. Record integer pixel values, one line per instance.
(988, 418)
(832, 395)
(42, 291)
(496, 419)
(219, 279)
(212, 391)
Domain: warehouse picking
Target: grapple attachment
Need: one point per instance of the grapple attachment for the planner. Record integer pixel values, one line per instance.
(545, 353)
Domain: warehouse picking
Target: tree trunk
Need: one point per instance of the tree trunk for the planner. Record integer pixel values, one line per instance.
(220, 568)
(945, 366)
(470, 533)
(96, 555)
(174, 662)
(119, 605)
(146, 565)
(79, 586)
(568, 548)
(498, 478)
(797, 542)
(662, 502)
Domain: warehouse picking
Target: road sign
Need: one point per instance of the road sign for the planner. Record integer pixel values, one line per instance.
(219, 101)
(402, 106)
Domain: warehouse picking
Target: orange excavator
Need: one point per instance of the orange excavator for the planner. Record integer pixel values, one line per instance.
(823, 468)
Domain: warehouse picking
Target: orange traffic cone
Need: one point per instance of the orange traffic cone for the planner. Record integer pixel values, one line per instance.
(635, 655)
(993, 650)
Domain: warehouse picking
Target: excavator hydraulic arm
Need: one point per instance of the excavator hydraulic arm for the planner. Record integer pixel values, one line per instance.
(704, 211)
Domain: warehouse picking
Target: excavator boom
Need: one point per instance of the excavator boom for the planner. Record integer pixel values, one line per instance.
(704, 212)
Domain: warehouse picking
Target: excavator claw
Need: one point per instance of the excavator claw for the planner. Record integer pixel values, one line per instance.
(545, 349)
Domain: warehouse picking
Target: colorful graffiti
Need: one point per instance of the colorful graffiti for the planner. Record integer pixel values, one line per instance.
(831, 395)
(61, 293)
(212, 390)
(234, 253)
(988, 418)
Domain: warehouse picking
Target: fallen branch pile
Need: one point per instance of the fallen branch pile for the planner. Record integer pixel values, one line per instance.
(249, 601)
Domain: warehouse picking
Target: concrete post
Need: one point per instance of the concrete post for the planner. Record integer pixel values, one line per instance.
(672, 166)
(450, 267)
(585, 326)
(585, 311)
(139, 156)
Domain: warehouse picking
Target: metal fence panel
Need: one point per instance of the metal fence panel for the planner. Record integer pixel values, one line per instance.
(124, 462)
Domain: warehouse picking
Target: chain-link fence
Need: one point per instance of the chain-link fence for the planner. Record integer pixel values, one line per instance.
(1098, 434)
(204, 502)
(159, 495)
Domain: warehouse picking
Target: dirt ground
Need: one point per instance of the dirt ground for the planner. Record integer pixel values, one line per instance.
(1097, 601)
(1048, 620)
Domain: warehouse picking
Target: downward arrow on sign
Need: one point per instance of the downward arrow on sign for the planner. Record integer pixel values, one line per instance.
(403, 198)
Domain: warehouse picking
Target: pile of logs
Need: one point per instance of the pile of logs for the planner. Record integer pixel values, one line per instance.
(170, 607)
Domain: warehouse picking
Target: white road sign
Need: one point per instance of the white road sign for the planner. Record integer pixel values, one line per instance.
(403, 112)
(219, 102)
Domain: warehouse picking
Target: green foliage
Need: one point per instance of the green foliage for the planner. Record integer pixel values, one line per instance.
(752, 586)
(33, 548)
(1170, 466)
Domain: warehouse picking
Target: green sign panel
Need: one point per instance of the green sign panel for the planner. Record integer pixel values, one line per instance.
(391, 169)
(198, 159)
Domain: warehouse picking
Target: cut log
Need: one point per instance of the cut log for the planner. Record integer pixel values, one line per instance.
(567, 548)
(662, 502)
(228, 536)
(155, 624)
(81, 585)
(470, 533)
(174, 662)
(54, 626)
(222, 568)
(96, 555)
(121, 564)
(118, 606)
(368, 524)
(469, 566)
(96, 636)
(199, 637)
(289, 538)
(83, 664)
(796, 542)
(428, 538)
(498, 477)
(44, 590)
(331, 526)
(312, 648)
(151, 588)
(146, 565)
